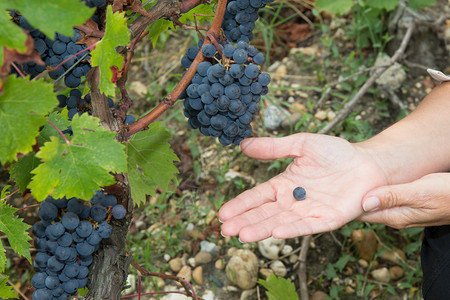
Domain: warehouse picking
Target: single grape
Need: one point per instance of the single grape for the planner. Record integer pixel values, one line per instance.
(98, 213)
(299, 193)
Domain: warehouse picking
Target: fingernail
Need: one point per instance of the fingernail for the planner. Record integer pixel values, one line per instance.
(241, 241)
(223, 234)
(371, 204)
(220, 220)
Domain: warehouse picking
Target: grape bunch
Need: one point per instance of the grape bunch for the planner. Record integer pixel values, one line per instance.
(95, 3)
(54, 52)
(240, 17)
(222, 97)
(69, 233)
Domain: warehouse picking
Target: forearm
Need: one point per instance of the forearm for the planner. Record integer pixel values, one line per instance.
(417, 145)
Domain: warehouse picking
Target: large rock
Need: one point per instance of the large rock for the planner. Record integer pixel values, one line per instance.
(242, 269)
(270, 248)
(393, 77)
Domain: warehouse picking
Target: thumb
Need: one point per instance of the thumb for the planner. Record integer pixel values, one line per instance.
(274, 148)
(388, 197)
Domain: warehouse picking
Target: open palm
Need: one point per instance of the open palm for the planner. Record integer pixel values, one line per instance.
(335, 174)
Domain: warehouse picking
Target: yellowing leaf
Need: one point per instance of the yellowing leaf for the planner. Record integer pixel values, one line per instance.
(81, 166)
(11, 35)
(23, 107)
(105, 55)
(16, 231)
(150, 162)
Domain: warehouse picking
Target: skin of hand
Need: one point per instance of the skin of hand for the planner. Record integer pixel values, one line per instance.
(335, 174)
(423, 202)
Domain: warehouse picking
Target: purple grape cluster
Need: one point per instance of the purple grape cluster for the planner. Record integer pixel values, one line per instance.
(240, 17)
(95, 3)
(222, 97)
(69, 233)
(53, 52)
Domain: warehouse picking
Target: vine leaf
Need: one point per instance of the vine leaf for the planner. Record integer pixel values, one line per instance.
(22, 113)
(16, 231)
(21, 170)
(105, 55)
(279, 288)
(59, 120)
(335, 7)
(201, 9)
(150, 162)
(156, 28)
(52, 15)
(82, 165)
(383, 4)
(6, 291)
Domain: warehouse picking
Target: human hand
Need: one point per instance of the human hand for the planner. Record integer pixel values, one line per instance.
(424, 202)
(335, 174)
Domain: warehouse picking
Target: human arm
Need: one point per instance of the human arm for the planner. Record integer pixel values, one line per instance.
(337, 174)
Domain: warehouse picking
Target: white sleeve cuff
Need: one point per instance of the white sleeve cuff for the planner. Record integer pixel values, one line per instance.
(438, 75)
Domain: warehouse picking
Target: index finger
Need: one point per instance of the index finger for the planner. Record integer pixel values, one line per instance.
(257, 196)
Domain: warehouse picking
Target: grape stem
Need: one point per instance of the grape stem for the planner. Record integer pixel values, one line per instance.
(59, 131)
(170, 99)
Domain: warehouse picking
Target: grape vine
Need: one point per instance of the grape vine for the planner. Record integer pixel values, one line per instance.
(79, 152)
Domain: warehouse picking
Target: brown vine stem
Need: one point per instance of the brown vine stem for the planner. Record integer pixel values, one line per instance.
(59, 131)
(302, 276)
(190, 292)
(214, 31)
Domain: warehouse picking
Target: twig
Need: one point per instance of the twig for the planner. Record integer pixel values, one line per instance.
(190, 292)
(18, 70)
(302, 276)
(10, 195)
(16, 289)
(59, 131)
(349, 105)
(143, 122)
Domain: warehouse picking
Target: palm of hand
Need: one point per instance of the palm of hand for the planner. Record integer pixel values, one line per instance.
(335, 174)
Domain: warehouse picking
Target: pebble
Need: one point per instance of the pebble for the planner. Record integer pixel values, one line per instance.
(274, 116)
(265, 272)
(185, 273)
(270, 247)
(175, 297)
(242, 269)
(396, 272)
(287, 249)
(278, 268)
(247, 294)
(191, 262)
(209, 247)
(321, 115)
(393, 256)
(219, 264)
(381, 274)
(131, 281)
(291, 121)
(175, 264)
(197, 275)
(280, 72)
(331, 115)
(208, 295)
(202, 258)
(167, 257)
(393, 77)
(318, 295)
(293, 258)
(363, 263)
(298, 108)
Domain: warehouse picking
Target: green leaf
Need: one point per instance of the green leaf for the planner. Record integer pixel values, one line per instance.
(334, 6)
(5, 192)
(419, 4)
(59, 120)
(11, 35)
(279, 288)
(150, 162)
(157, 28)
(6, 291)
(202, 9)
(16, 231)
(105, 55)
(52, 16)
(383, 4)
(23, 106)
(21, 170)
(81, 166)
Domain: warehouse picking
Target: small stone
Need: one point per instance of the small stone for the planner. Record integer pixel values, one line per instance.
(280, 72)
(232, 251)
(265, 272)
(139, 88)
(274, 116)
(321, 115)
(175, 297)
(270, 247)
(293, 258)
(319, 295)
(394, 256)
(331, 115)
(185, 273)
(175, 264)
(363, 263)
(291, 121)
(197, 275)
(298, 108)
(365, 242)
(393, 77)
(208, 295)
(210, 216)
(287, 249)
(191, 262)
(381, 275)
(230, 288)
(166, 257)
(396, 272)
(209, 247)
(349, 290)
(219, 264)
(160, 283)
(131, 282)
(202, 257)
(278, 268)
(247, 294)
(242, 269)
(291, 99)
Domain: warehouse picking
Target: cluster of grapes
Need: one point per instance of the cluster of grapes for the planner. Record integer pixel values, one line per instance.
(222, 98)
(66, 238)
(239, 19)
(54, 52)
(95, 3)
